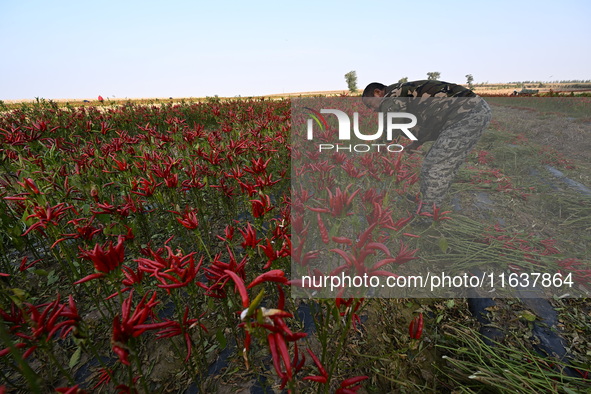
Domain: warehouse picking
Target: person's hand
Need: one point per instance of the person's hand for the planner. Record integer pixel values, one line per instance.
(412, 148)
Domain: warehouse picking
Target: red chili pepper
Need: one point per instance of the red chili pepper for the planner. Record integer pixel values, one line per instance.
(347, 383)
(318, 379)
(364, 237)
(342, 240)
(240, 287)
(270, 252)
(322, 228)
(281, 301)
(274, 354)
(324, 374)
(90, 277)
(269, 276)
(282, 347)
(247, 340)
(411, 235)
(415, 328)
(30, 183)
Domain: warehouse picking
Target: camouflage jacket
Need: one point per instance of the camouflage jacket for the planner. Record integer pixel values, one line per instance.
(436, 104)
(428, 88)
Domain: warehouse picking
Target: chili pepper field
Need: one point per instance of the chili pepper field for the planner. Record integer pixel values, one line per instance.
(147, 248)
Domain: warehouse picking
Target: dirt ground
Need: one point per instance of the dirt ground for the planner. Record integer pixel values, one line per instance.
(568, 135)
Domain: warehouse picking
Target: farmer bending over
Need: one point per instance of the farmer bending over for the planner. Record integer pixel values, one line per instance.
(449, 114)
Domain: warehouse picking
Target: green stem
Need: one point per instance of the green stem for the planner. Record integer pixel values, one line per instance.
(139, 368)
(30, 376)
(342, 340)
(58, 364)
(198, 234)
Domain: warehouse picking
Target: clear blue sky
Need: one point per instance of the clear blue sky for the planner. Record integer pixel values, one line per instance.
(181, 48)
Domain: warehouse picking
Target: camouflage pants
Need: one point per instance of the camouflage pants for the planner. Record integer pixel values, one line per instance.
(449, 151)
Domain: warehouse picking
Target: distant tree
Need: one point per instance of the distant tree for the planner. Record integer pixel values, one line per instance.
(403, 80)
(351, 78)
(469, 80)
(433, 75)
